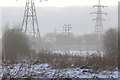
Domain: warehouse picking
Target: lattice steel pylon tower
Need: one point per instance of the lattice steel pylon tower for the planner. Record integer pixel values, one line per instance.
(30, 24)
(99, 19)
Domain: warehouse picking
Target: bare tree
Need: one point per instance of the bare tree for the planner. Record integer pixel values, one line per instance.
(111, 41)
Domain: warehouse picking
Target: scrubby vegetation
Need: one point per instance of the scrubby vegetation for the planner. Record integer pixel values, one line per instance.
(16, 49)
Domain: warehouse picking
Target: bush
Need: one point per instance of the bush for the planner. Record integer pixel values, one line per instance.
(110, 41)
(15, 44)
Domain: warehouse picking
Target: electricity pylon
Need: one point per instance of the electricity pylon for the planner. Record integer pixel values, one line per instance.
(67, 30)
(30, 24)
(99, 19)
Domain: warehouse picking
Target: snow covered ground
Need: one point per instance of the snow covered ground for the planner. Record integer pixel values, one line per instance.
(81, 53)
(23, 70)
(29, 69)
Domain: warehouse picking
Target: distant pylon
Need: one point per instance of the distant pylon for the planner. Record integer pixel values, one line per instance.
(99, 19)
(67, 30)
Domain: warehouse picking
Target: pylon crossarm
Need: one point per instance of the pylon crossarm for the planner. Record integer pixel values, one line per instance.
(98, 12)
(39, 0)
(99, 6)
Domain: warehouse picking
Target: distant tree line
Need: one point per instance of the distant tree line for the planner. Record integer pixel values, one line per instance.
(75, 42)
(107, 41)
(15, 43)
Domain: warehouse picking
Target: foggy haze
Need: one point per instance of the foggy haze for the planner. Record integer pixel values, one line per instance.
(73, 41)
(51, 17)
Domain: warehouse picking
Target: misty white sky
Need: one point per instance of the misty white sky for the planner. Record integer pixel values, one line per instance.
(56, 13)
(59, 3)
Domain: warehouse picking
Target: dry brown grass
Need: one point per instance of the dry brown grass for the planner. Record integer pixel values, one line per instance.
(109, 62)
(60, 61)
